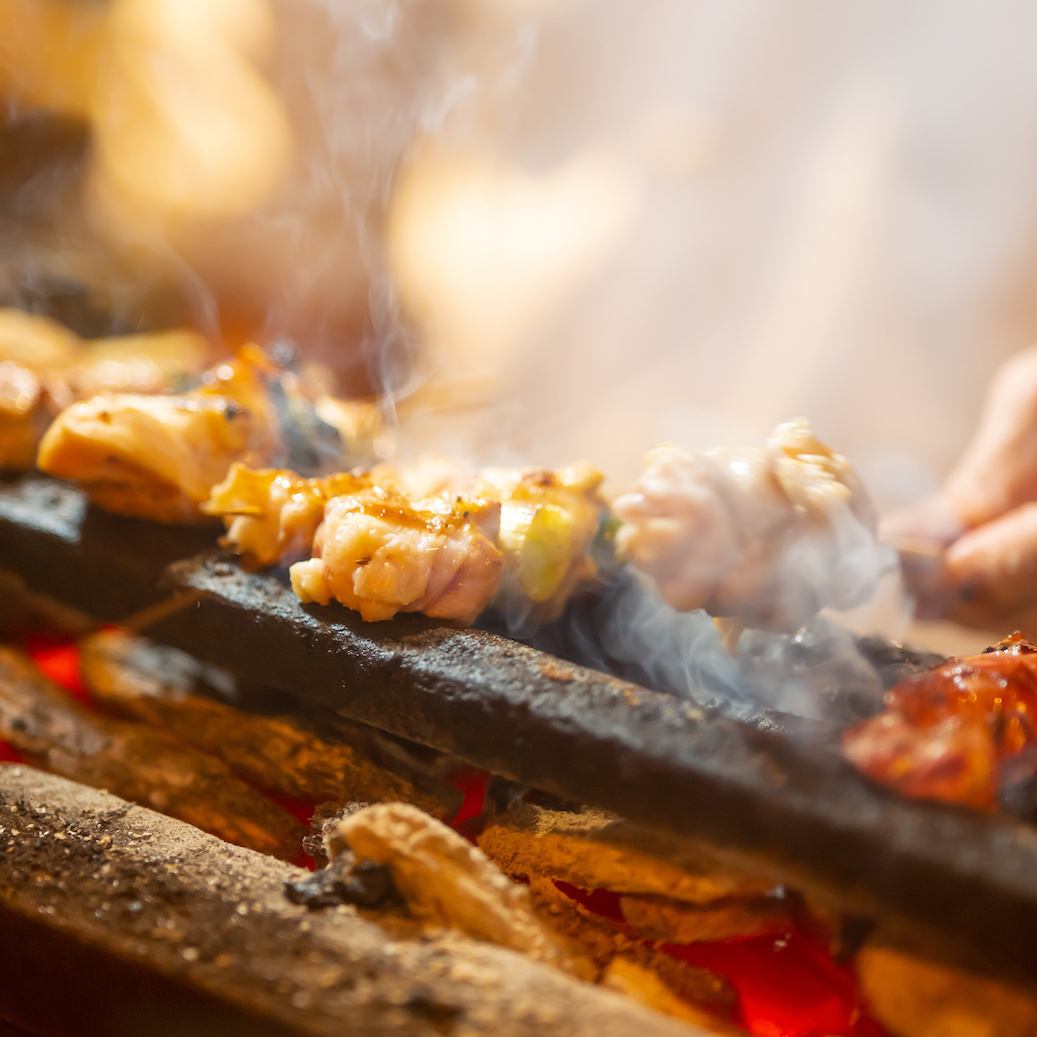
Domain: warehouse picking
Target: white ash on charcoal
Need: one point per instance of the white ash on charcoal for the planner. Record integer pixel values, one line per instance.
(142, 764)
(207, 926)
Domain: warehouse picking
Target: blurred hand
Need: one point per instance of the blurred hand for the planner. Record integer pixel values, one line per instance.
(979, 533)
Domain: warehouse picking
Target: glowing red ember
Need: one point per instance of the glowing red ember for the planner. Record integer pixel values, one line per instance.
(58, 658)
(789, 986)
(945, 735)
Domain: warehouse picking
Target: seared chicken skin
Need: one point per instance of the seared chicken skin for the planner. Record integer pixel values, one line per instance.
(272, 515)
(381, 554)
(158, 457)
(948, 734)
(769, 536)
(44, 367)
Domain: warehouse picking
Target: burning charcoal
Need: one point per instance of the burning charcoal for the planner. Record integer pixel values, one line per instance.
(605, 943)
(130, 903)
(345, 881)
(734, 918)
(924, 999)
(642, 984)
(596, 850)
(55, 732)
(279, 753)
(448, 882)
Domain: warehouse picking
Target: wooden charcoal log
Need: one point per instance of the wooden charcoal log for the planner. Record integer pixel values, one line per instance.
(597, 850)
(604, 942)
(446, 881)
(281, 753)
(918, 998)
(658, 918)
(205, 931)
(146, 766)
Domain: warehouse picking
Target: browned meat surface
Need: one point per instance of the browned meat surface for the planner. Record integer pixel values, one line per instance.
(948, 734)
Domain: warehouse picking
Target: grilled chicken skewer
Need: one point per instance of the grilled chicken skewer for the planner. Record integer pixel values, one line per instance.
(517, 536)
(767, 536)
(159, 457)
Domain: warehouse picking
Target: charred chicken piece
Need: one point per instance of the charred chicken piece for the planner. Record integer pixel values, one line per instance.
(56, 733)
(953, 733)
(380, 554)
(767, 536)
(447, 882)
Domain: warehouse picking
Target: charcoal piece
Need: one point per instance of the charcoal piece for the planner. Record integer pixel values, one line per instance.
(345, 881)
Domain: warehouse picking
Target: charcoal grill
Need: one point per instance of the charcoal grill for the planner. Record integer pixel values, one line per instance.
(944, 882)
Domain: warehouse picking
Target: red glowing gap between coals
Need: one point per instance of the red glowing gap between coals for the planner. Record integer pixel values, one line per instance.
(787, 987)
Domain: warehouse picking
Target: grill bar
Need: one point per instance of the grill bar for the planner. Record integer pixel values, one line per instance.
(941, 881)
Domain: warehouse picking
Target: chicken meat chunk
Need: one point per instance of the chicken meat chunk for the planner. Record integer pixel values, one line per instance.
(380, 554)
(769, 536)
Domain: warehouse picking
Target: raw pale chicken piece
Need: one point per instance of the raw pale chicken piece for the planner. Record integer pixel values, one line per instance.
(381, 554)
(768, 536)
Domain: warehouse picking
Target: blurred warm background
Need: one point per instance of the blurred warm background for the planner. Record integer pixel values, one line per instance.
(550, 228)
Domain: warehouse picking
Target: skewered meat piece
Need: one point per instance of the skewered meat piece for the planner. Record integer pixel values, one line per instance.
(272, 515)
(159, 457)
(381, 554)
(53, 731)
(278, 753)
(521, 537)
(952, 733)
(769, 536)
(45, 367)
(23, 416)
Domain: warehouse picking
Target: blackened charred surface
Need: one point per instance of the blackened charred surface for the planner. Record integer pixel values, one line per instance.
(938, 879)
(106, 565)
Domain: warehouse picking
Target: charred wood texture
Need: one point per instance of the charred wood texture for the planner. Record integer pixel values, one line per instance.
(936, 879)
(138, 762)
(279, 753)
(150, 926)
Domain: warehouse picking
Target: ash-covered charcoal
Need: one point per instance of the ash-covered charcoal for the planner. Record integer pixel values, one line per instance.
(345, 881)
(144, 765)
(592, 849)
(446, 882)
(167, 930)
